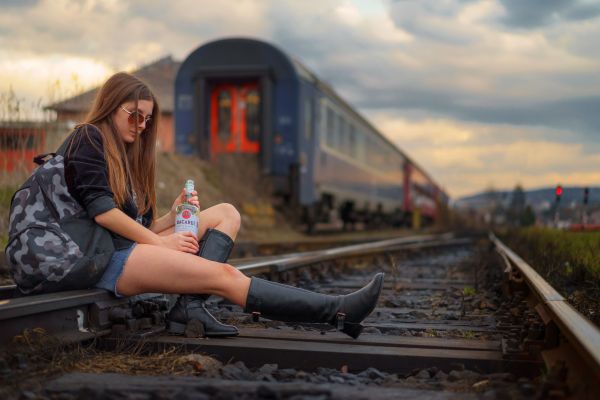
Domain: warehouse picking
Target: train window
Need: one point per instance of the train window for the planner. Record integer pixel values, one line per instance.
(373, 153)
(330, 127)
(352, 141)
(384, 155)
(307, 119)
(347, 145)
(379, 154)
(322, 124)
(253, 115)
(397, 162)
(340, 133)
(224, 117)
(343, 135)
(360, 146)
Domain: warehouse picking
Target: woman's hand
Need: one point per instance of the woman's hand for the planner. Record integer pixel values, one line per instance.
(181, 199)
(181, 241)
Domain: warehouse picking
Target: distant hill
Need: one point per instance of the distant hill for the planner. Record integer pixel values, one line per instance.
(539, 199)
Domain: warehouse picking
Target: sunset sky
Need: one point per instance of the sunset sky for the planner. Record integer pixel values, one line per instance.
(480, 92)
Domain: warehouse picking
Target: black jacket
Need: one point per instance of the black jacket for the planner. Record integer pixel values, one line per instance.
(86, 173)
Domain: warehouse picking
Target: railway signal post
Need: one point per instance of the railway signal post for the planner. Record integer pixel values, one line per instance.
(586, 194)
(558, 193)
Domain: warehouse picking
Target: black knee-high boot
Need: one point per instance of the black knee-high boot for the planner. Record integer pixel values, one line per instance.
(288, 303)
(214, 246)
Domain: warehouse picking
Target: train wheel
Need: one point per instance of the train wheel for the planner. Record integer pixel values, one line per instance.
(310, 219)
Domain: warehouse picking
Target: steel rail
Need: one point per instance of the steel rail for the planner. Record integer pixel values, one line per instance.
(580, 332)
(290, 261)
(278, 263)
(71, 316)
(28, 305)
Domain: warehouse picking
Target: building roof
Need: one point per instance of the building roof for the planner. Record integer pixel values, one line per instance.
(159, 76)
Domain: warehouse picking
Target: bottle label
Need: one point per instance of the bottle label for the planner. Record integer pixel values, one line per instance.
(187, 219)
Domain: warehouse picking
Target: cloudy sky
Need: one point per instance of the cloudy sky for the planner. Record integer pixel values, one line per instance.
(480, 92)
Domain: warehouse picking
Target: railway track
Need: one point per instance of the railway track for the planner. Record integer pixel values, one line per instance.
(453, 321)
(321, 241)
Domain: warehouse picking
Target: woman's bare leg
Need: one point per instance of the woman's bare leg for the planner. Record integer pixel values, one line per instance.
(153, 269)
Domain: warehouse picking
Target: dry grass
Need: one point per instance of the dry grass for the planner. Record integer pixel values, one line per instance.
(35, 357)
(230, 179)
(168, 362)
(569, 261)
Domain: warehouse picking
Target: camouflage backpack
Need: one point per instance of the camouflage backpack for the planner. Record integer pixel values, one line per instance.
(53, 244)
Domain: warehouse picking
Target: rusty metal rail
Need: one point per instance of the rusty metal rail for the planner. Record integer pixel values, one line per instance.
(286, 262)
(581, 334)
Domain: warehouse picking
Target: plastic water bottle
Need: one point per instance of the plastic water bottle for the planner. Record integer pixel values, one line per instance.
(187, 215)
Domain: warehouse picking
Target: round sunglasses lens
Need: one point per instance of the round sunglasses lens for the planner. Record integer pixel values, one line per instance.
(135, 118)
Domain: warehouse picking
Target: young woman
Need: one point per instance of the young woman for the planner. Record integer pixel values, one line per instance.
(109, 167)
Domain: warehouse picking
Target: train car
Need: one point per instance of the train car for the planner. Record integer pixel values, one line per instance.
(422, 196)
(245, 96)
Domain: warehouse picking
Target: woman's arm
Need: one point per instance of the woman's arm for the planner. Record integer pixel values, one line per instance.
(163, 223)
(118, 222)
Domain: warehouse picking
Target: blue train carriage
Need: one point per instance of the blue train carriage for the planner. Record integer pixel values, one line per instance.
(240, 96)
(357, 172)
(244, 96)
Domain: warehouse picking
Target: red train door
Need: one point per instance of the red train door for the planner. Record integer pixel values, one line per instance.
(235, 118)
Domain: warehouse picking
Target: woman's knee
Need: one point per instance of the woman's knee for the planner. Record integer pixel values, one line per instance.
(231, 215)
(232, 272)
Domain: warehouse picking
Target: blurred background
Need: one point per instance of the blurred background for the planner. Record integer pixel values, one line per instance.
(494, 102)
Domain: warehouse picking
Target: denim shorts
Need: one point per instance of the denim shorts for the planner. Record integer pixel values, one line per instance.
(114, 270)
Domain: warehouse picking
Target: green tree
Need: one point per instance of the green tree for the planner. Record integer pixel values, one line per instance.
(516, 208)
(528, 217)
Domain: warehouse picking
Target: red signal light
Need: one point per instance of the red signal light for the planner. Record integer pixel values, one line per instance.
(559, 190)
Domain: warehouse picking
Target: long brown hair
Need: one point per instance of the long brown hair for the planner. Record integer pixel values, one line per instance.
(129, 164)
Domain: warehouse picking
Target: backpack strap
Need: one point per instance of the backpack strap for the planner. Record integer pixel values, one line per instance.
(43, 158)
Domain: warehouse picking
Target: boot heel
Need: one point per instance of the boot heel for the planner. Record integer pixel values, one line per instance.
(176, 328)
(353, 330)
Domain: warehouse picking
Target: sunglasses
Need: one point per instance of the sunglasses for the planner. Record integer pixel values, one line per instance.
(136, 118)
